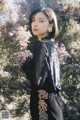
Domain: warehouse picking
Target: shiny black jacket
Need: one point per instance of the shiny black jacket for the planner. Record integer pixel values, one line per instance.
(44, 65)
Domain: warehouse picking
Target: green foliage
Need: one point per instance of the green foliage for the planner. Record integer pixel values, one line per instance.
(70, 69)
(13, 84)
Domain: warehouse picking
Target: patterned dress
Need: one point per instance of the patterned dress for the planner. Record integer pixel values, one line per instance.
(44, 74)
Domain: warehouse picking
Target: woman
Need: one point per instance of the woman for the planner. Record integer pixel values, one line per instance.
(42, 69)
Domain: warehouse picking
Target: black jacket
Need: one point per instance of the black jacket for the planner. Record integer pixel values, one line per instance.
(43, 65)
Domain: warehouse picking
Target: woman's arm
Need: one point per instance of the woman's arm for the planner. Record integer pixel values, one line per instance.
(27, 61)
(27, 67)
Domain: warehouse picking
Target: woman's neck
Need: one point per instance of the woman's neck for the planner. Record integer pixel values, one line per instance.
(41, 37)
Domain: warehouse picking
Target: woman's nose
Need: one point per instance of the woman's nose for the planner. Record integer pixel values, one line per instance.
(35, 24)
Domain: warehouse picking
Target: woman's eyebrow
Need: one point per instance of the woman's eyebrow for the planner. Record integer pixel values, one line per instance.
(41, 18)
(38, 18)
(33, 17)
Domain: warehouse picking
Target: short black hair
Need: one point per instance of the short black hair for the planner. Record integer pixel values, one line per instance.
(50, 14)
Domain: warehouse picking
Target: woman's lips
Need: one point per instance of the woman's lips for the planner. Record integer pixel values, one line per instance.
(35, 30)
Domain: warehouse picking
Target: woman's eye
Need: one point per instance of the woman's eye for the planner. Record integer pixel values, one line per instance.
(33, 20)
(41, 21)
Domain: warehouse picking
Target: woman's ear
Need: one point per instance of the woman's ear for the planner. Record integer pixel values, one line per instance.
(50, 27)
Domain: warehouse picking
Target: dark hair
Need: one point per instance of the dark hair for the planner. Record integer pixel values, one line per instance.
(50, 14)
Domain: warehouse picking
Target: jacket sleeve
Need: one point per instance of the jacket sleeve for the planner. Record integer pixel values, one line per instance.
(27, 68)
(27, 65)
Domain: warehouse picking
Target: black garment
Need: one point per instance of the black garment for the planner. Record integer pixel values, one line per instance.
(54, 107)
(43, 72)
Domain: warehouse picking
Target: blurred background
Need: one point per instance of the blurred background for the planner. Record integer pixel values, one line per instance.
(14, 37)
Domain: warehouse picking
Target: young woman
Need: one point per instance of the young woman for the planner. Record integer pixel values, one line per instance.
(42, 69)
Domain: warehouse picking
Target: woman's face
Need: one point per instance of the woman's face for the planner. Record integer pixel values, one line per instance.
(40, 25)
